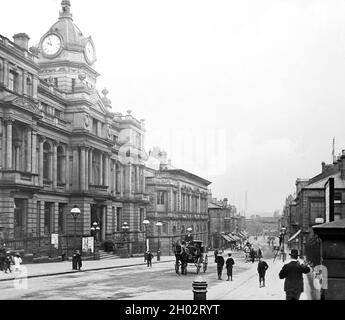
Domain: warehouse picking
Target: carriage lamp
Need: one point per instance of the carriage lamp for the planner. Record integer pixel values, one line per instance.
(94, 231)
(159, 225)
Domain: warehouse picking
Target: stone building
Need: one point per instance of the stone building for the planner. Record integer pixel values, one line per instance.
(178, 199)
(61, 144)
(308, 204)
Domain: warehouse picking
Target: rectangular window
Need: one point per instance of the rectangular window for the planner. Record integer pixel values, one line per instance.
(56, 82)
(142, 218)
(61, 220)
(160, 197)
(20, 218)
(38, 219)
(73, 85)
(118, 218)
(94, 126)
(48, 206)
(13, 81)
(317, 209)
(113, 215)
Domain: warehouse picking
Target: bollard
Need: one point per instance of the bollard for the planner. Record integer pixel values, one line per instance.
(158, 255)
(199, 289)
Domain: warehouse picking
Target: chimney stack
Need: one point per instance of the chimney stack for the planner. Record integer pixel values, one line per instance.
(323, 166)
(342, 165)
(225, 201)
(21, 40)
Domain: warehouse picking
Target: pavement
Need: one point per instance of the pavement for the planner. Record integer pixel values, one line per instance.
(34, 270)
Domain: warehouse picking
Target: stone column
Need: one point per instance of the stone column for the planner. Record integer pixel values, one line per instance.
(29, 149)
(54, 164)
(101, 169)
(143, 187)
(199, 204)
(75, 178)
(114, 177)
(82, 168)
(67, 169)
(6, 71)
(91, 166)
(9, 144)
(33, 153)
(35, 82)
(121, 180)
(87, 150)
(106, 170)
(40, 161)
(137, 178)
(63, 167)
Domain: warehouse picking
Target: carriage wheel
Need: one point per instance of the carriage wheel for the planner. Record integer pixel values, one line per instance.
(177, 267)
(198, 266)
(205, 264)
(185, 269)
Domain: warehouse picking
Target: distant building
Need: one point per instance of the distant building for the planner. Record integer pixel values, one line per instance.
(178, 199)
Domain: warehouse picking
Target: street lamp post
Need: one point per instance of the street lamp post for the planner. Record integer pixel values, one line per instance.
(75, 212)
(94, 230)
(147, 247)
(125, 228)
(159, 225)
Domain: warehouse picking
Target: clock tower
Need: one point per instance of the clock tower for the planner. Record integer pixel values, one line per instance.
(66, 57)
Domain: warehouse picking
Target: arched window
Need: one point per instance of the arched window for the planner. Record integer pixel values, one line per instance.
(197, 228)
(174, 230)
(46, 161)
(29, 86)
(118, 181)
(60, 164)
(96, 167)
(182, 230)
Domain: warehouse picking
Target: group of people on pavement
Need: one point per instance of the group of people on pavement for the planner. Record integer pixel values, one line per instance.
(292, 272)
(7, 260)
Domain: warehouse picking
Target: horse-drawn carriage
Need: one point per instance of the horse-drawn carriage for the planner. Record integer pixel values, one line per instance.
(193, 253)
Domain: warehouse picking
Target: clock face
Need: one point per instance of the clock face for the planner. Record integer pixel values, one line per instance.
(89, 52)
(51, 44)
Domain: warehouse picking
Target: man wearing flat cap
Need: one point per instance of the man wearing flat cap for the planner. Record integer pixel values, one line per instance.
(292, 272)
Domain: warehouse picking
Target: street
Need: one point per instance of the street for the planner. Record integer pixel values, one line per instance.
(157, 283)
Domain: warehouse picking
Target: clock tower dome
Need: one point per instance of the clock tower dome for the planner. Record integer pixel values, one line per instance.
(66, 57)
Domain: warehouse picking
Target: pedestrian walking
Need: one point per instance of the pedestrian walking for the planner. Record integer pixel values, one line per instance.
(149, 257)
(220, 264)
(252, 254)
(229, 264)
(17, 260)
(215, 255)
(78, 260)
(293, 272)
(8, 262)
(259, 253)
(262, 267)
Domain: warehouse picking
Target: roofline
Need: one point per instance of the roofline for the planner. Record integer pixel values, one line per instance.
(187, 174)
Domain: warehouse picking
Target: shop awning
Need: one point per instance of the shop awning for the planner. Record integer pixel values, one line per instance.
(226, 237)
(295, 235)
(236, 237)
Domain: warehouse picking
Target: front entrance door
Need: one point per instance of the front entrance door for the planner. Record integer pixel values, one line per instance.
(97, 216)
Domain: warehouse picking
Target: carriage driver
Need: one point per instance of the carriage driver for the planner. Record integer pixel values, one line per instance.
(189, 238)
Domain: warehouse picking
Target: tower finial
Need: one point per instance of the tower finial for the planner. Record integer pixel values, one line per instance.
(66, 9)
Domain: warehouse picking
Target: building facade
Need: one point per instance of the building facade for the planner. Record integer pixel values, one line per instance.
(308, 204)
(61, 145)
(178, 199)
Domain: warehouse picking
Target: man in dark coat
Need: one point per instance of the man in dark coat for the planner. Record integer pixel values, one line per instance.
(292, 272)
(220, 264)
(229, 263)
(149, 257)
(252, 254)
(262, 267)
(79, 259)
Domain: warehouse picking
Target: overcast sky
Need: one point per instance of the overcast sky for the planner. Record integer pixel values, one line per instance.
(247, 94)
